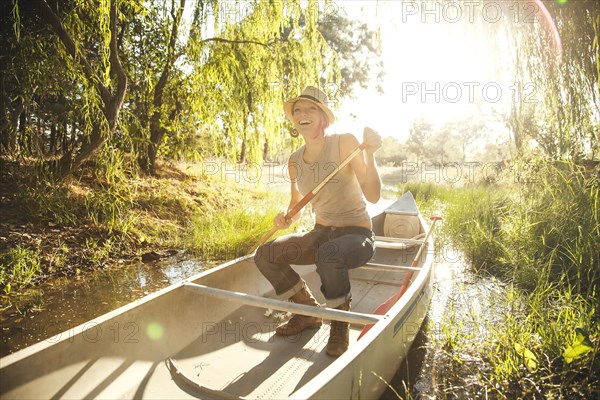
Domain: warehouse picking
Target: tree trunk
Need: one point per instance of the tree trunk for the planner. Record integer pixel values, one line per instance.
(111, 103)
(265, 155)
(10, 126)
(244, 149)
(53, 138)
(242, 157)
(157, 132)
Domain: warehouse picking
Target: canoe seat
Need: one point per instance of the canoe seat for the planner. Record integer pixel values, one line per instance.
(389, 268)
(398, 226)
(401, 225)
(399, 243)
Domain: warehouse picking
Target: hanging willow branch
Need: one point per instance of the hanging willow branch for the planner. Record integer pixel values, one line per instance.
(111, 102)
(221, 40)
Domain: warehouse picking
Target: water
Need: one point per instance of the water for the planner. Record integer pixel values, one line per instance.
(423, 375)
(55, 308)
(462, 306)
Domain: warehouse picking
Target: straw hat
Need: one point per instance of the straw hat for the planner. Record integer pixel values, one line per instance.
(314, 95)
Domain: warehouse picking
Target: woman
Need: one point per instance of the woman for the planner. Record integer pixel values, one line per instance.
(342, 238)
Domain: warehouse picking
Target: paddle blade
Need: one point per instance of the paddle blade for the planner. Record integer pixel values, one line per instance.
(388, 304)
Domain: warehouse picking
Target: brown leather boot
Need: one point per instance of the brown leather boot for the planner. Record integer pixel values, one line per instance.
(298, 323)
(339, 334)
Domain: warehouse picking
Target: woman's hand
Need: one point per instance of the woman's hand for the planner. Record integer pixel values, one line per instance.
(280, 222)
(372, 139)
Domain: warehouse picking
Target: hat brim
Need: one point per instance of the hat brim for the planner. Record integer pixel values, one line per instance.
(288, 108)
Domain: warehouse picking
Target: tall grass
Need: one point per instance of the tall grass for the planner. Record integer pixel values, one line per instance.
(234, 231)
(229, 234)
(18, 267)
(541, 237)
(126, 214)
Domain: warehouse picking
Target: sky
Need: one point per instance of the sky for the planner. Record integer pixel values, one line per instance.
(439, 65)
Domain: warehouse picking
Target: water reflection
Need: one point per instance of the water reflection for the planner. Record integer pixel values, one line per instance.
(57, 307)
(460, 303)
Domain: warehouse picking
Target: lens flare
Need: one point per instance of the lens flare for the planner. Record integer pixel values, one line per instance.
(154, 330)
(551, 26)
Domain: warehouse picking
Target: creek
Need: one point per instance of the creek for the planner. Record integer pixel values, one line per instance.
(463, 306)
(55, 308)
(459, 301)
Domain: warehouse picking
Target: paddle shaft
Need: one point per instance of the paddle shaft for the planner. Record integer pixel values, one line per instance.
(309, 196)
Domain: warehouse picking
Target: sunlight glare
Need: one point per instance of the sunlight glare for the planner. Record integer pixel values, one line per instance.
(435, 68)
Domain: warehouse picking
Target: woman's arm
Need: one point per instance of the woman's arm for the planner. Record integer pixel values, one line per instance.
(364, 165)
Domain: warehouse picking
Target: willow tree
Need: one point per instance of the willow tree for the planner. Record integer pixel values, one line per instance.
(212, 84)
(152, 47)
(179, 78)
(66, 74)
(107, 77)
(251, 62)
(358, 48)
(563, 114)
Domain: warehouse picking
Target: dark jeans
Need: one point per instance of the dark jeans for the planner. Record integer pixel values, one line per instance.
(333, 250)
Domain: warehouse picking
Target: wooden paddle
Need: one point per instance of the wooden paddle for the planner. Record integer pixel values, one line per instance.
(309, 196)
(389, 303)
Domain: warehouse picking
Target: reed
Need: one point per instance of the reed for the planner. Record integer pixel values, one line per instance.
(540, 238)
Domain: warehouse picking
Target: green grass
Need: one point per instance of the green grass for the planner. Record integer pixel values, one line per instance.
(18, 267)
(540, 237)
(101, 218)
(232, 232)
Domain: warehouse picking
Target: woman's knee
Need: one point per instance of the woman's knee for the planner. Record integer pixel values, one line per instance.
(261, 257)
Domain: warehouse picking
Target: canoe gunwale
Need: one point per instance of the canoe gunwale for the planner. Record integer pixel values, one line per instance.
(389, 239)
(389, 268)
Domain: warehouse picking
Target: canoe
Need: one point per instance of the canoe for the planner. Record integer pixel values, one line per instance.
(212, 336)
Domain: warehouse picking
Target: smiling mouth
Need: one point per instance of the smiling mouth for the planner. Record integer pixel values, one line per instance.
(304, 122)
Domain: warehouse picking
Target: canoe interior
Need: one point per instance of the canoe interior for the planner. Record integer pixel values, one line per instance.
(229, 350)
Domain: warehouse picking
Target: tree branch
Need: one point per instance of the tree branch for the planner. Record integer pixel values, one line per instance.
(239, 41)
(114, 106)
(50, 17)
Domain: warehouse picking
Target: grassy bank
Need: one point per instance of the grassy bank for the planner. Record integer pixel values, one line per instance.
(53, 228)
(539, 237)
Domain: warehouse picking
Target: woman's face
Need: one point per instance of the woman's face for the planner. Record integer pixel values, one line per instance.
(309, 120)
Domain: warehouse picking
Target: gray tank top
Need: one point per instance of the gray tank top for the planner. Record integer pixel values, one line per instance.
(340, 202)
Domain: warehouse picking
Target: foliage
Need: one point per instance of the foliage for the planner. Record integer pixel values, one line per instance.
(177, 79)
(562, 117)
(88, 223)
(458, 140)
(18, 267)
(538, 233)
(357, 48)
(419, 133)
(391, 152)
